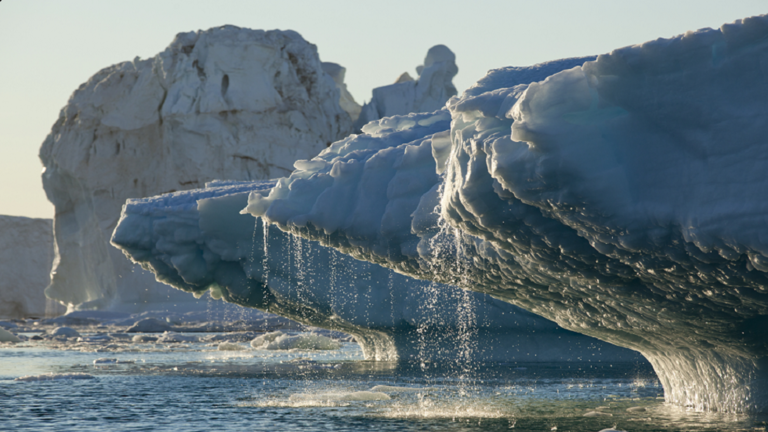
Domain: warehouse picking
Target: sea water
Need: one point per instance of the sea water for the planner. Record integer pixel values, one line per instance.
(83, 385)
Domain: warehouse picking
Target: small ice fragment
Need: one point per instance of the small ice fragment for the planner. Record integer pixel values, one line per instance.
(281, 341)
(173, 337)
(636, 409)
(6, 336)
(144, 338)
(107, 361)
(7, 324)
(228, 346)
(265, 339)
(67, 332)
(149, 325)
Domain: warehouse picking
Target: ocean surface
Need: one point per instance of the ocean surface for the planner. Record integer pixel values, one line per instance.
(121, 385)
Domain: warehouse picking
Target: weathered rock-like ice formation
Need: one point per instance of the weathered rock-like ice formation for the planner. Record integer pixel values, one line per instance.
(621, 199)
(227, 102)
(198, 240)
(26, 254)
(346, 101)
(428, 93)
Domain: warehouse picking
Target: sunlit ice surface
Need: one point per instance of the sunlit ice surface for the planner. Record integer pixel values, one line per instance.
(82, 384)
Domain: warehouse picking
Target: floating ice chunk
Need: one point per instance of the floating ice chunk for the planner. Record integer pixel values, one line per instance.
(144, 339)
(173, 337)
(265, 339)
(229, 346)
(636, 409)
(271, 341)
(149, 325)
(99, 338)
(55, 376)
(8, 325)
(67, 332)
(110, 361)
(6, 336)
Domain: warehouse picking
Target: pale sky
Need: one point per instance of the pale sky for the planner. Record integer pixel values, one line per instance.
(49, 47)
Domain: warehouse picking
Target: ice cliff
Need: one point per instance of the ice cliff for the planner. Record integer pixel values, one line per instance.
(226, 102)
(620, 198)
(428, 93)
(198, 241)
(26, 254)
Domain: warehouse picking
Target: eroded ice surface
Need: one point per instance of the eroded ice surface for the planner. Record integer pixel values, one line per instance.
(621, 199)
(225, 102)
(199, 241)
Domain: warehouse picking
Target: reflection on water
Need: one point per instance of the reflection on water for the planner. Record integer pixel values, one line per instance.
(194, 386)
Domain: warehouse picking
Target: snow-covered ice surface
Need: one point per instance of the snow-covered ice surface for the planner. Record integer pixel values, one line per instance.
(621, 199)
(26, 254)
(226, 102)
(198, 241)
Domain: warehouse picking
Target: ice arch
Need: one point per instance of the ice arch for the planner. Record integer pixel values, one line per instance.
(198, 241)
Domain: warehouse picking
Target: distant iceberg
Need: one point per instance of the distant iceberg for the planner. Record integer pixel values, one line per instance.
(225, 102)
(26, 254)
(621, 199)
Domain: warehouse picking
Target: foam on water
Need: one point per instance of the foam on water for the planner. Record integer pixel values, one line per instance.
(315, 390)
(55, 376)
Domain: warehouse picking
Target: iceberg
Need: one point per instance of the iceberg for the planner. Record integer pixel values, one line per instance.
(619, 198)
(26, 254)
(429, 92)
(198, 241)
(225, 102)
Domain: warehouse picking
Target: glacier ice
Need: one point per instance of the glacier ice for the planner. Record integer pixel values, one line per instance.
(619, 198)
(429, 92)
(199, 241)
(226, 102)
(26, 254)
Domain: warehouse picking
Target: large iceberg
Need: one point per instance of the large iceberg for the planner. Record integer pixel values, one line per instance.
(226, 102)
(199, 241)
(26, 254)
(619, 198)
